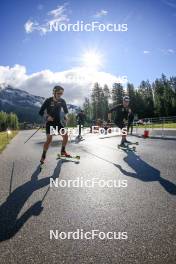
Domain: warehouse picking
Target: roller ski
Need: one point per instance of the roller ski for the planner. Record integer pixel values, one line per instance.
(79, 138)
(65, 156)
(126, 142)
(126, 147)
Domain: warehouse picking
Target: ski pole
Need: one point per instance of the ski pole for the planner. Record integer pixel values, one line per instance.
(32, 135)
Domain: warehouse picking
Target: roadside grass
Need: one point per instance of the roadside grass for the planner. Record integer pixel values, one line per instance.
(5, 138)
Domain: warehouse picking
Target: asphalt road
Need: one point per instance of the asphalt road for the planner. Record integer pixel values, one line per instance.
(145, 209)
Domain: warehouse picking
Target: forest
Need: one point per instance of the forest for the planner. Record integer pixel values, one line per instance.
(157, 99)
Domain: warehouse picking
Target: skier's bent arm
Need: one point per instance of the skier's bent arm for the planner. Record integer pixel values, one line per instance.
(42, 111)
(43, 107)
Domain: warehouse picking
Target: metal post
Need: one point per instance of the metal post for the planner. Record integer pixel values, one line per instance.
(152, 123)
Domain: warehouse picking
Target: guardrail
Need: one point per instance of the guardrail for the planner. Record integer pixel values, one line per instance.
(161, 126)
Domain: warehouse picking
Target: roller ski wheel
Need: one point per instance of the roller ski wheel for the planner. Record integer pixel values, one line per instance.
(62, 156)
(120, 146)
(79, 138)
(134, 148)
(134, 143)
(41, 166)
(131, 143)
(126, 147)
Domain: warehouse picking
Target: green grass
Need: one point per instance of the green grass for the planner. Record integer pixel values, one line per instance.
(5, 139)
(166, 125)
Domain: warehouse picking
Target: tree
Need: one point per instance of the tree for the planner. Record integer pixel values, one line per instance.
(117, 94)
(132, 95)
(148, 100)
(145, 90)
(106, 97)
(164, 96)
(97, 97)
(8, 121)
(87, 107)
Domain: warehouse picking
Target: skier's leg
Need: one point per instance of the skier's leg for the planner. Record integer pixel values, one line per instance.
(46, 146)
(65, 140)
(123, 139)
(128, 127)
(124, 136)
(79, 130)
(64, 143)
(47, 143)
(121, 125)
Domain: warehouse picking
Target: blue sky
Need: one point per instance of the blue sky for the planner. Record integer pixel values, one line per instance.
(145, 51)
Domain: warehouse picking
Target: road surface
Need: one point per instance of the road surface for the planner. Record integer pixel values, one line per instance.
(145, 210)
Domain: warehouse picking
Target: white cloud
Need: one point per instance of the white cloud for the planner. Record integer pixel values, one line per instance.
(101, 13)
(77, 82)
(12, 76)
(29, 26)
(146, 51)
(167, 51)
(57, 15)
(58, 12)
(171, 51)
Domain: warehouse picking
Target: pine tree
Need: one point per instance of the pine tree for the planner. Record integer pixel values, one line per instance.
(117, 94)
(97, 96)
(106, 98)
(132, 95)
(87, 107)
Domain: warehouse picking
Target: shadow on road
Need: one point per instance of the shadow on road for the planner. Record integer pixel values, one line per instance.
(10, 224)
(143, 171)
(54, 143)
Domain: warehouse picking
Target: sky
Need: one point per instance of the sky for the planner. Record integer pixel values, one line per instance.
(34, 58)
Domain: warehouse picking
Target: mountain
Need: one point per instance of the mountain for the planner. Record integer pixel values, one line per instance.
(24, 104)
